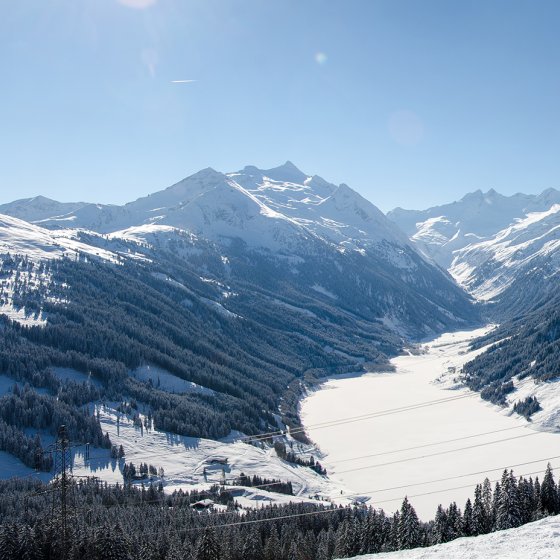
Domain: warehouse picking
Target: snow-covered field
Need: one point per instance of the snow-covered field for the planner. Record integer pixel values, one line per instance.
(409, 452)
(186, 459)
(540, 539)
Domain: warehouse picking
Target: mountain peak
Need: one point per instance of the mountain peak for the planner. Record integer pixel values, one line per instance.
(287, 172)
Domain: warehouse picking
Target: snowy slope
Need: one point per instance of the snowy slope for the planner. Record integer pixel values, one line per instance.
(489, 267)
(280, 221)
(280, 209)
(38, 208)
(441, 230)
(22, 238)
(37, 245)
(540, 539)
(334, 213)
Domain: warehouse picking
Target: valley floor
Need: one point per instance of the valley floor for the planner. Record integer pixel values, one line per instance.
(434, 453)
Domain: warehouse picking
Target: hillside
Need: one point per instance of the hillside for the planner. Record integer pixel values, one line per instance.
(237, 293)
(534, 540)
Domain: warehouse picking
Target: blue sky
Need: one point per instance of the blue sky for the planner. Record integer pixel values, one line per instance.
(412, 103)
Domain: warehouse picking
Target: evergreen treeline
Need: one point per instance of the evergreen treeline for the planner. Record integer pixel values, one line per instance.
(25, 409)
(525, 346)
(124, 522)
(107, 320)
(272, 485)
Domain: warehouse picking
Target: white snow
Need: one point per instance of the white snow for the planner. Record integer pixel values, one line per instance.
(548, 395)
(526, 243)
(184, 460)
(166, 381)
(372, 457)
(540, 539)
(22, 238)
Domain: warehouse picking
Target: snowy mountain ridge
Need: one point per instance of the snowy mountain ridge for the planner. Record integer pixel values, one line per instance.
(279, 209)
(497, 247)
(282, 223)
(441, 230)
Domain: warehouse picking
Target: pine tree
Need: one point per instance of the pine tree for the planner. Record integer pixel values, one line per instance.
(272, 546)
(323, 549)
(345, 540)
(454, 521)
(9, 545)
(408, 533)
(479, 513)
(549, 492)
(252, 547)
(468, 524)
(207, 548)
(487, 500)
(440, 528)
(507, 510)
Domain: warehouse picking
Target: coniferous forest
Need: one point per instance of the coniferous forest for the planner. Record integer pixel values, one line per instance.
(127, 522)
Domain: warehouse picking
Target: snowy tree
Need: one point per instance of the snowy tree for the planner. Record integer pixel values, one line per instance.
(468, 524)
(207, 548)
(252, 547)
(508, 514)
(409, 534)
(549, 492)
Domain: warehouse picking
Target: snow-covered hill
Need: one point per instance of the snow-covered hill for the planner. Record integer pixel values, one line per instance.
(38, 208)
(23, 238)
(540, 539)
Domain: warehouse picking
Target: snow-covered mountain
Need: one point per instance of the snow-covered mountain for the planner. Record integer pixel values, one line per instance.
(441, 230)
(23, 238)
(498, 248)
(490, 267)
(310, 232)
(276, 209)
(38, 208)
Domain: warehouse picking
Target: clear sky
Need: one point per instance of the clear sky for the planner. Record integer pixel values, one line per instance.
(412, 103)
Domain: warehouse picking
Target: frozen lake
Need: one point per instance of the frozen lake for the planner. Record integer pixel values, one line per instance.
(373, 456)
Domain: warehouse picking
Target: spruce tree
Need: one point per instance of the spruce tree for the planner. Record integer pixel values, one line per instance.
(549, 492)
(507, 510)
(207, 548)
(479, 512)
(468, 522)
(408, 533)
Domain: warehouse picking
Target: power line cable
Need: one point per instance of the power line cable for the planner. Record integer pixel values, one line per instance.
(436, 454)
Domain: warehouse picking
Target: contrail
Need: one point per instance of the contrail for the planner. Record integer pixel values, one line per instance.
(182, 81)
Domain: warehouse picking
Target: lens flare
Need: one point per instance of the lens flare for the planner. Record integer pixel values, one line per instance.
(137, 4)
(321, 58)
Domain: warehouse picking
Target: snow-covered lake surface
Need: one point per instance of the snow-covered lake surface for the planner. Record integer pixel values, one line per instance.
(373, 456)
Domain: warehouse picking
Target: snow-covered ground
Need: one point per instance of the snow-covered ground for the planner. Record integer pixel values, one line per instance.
(405, 453)
(186, 459)
(540, 539)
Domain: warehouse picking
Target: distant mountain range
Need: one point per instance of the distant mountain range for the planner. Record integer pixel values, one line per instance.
(503, 250)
